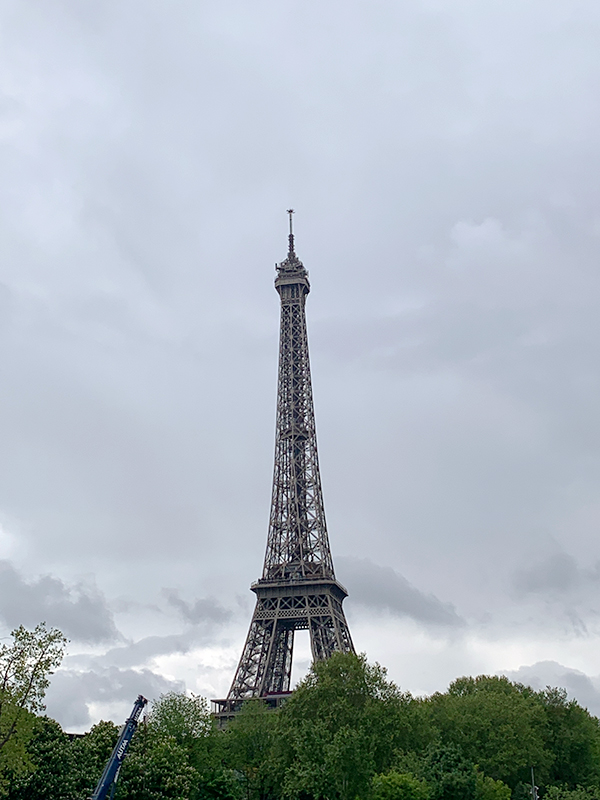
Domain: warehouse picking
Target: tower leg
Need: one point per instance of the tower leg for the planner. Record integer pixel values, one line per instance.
(328, 634)
(250, 671)
(266, 663)
(278, 673)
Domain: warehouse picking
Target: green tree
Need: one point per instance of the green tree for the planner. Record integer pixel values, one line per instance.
(176, 753)
(91, 752)
(487, 788)
(578, 793)
(54, 765)
(341, 726)
(450, 775)
(399, 786)
(445, 767)
(159, 769)
(253, 750)
(185, 718)
(499, 725)
(573, 736)
(25, 666)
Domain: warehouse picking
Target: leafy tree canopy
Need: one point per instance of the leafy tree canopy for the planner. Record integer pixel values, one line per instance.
(54, 766)
(573, 737)
(342, 725)
(499, 725)
(578, 793)
(399, 786)
(25, 666)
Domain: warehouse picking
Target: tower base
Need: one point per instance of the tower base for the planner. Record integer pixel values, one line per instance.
(223, 711)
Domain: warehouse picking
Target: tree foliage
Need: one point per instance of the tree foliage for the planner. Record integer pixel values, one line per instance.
(499, 725)
(342, 725)
(176, 753)
(396, 785)
(489, 789)
(157, 769)
(54, 765)
(92, 751)
(578, 793)
(25, 666)
(573, 738)
(254, 752)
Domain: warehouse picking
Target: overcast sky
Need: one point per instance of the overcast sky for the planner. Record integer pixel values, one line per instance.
(442, 157)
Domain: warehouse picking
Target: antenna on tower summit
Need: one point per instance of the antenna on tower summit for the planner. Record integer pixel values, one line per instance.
(290, 211)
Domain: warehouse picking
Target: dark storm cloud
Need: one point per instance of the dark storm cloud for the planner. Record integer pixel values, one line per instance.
(72, 692)
(581, 687)
(202, 610)
(384, 589)
(79, 611)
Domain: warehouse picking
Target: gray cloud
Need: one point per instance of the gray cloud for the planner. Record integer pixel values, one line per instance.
(72, 693)
(581, 687)
(384, 589)
(140, 652)
(203, 610)
(561, 592)
(558, 574)
(79, 610)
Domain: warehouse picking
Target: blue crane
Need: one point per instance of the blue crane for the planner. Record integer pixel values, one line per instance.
(109, 778)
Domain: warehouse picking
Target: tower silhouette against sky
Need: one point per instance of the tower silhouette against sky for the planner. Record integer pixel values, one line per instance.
(298, 589)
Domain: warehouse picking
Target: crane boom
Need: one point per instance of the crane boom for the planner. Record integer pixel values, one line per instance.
(111, 770)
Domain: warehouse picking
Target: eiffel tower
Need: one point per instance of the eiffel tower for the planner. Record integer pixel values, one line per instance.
(298, 589)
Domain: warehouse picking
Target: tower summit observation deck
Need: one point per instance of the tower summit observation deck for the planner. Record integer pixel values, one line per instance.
(298, 589)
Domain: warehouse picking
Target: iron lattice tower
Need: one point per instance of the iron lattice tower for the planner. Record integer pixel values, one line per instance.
(298, 589)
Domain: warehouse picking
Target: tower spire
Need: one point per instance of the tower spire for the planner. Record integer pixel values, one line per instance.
(290, 213)
(298, 588)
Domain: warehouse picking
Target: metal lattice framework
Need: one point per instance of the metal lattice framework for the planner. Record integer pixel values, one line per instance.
(298, 589)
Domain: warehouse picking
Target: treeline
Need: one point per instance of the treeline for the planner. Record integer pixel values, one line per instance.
(346, 733)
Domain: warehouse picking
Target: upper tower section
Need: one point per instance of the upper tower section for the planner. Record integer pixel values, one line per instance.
(297, 544)
(291, 272)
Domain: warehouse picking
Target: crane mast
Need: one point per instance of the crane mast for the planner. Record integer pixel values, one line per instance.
(108, 780)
